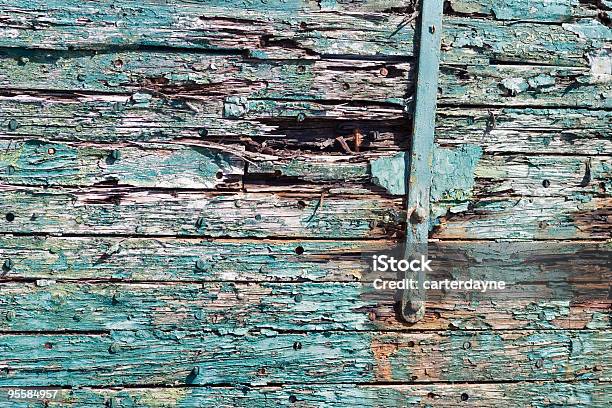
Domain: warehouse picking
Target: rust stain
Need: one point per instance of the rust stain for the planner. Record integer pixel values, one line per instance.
(382, 352)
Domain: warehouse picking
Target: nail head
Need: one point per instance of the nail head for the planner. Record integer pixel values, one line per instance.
(418, 215)
(200, 222)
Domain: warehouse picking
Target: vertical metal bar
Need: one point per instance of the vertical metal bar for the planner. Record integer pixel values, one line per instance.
(421, 154)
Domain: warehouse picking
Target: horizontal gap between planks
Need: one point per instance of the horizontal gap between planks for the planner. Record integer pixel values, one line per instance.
(77, 189)
(272, 385)
(78, 93)
(449, 12)
(536, 154)
(250, 187)
(468, 105)
(256, 330)
(285, 238)
(128, 189)
(295, 282)
(112, 49)
(168, 49)
(493, 62)
(275, 238)
(353, 57)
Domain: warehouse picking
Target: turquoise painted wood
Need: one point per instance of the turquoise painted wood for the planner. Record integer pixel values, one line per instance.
(420, 163)
(188, 190)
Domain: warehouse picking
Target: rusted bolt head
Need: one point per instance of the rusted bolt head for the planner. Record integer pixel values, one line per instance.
(114, 348)
(467, 345)
(200, 222)
(203, 132)
(200, 265)
(418, 215)
(7, 265)
(301, 117)
(384, 72)
(13, 125)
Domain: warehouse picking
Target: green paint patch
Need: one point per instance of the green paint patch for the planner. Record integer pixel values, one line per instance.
(453, 172)
(389, 173)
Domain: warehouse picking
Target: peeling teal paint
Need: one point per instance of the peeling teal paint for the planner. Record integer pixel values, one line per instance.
(238, 222)
(454, 171)
(389, 173)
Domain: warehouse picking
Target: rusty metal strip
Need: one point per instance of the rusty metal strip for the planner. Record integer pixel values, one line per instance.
(421, 155)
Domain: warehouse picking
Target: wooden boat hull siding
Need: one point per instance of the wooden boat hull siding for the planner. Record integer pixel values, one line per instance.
(189, 191)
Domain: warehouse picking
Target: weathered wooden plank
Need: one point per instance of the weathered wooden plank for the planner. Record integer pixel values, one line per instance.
(223, 307)
(244, 108)
(35, 162)
(524, 10)
(238, 308)
(285, 33)
(125, 211)
(504, 86)
(171, 259)
(126, 357)
(196, 75)
(142, 116)
(580, 217)
(512, 130)
(501, 9)
(583, 394)
(163, 259)
(193, 76)
(130, 211)
(544, 175)
(480, 41)
(295, 125)
(509, 175)
(263, 31)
